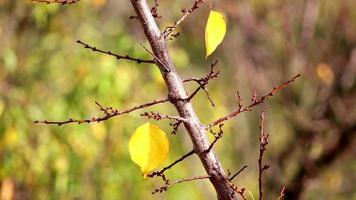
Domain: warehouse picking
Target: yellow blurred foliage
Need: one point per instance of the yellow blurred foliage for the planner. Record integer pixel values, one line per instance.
(324, 73)
(2, 106)
(99, 3)
(99, 131)
(10, 137)
(61, 164)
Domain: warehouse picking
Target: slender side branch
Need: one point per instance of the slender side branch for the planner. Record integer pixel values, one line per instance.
(263, 146)
(217, 137)
(167, 185)
(168, 30)
(158, 173)
(240, 191)
(203, 82)
(157, 116)
(117, 56)
(255, 102)
(158, 60)
(57, 1)
(154, 10)
(238, 172)
(109, 113)
(282, 194)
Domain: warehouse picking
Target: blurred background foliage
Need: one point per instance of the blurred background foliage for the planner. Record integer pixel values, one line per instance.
(44, 74)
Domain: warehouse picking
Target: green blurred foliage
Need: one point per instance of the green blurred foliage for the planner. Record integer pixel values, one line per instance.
(44, 74)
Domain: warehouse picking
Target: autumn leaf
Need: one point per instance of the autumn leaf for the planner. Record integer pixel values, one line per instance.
(148, 147)
(214, 32)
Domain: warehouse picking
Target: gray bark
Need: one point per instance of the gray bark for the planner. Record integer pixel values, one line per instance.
(177, 94)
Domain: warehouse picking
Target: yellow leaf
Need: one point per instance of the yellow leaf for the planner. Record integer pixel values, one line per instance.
(214, 32)
(148, 147)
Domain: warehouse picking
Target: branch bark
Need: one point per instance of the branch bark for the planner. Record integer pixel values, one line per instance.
(178, 97)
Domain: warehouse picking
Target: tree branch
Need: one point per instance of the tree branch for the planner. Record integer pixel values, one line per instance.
(217, 137)
(56, 1)
(157, 173)
(117, 56)
(203, 82)
(109, 113)
(254, 103)
(238, 172)
(168, 30)
(263, 145)
(282, 194)
(157, 116)
(167, 185)
(177, 94)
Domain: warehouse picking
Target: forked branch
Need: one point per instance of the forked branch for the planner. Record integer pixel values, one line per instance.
(204, 81)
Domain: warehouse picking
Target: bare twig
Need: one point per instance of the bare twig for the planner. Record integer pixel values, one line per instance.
(241, 191)
(168, 30)
(57, 1)
(157, 116)
(282, 194)
(157, 173)
(160, 62)
(109, 113)
(167, 185)
(239, 100)
(175, 126)
(262, 167)
(255, 101)
(117, 56)
(237, 173)
(204, 81)
(154, 10)
(217, 137)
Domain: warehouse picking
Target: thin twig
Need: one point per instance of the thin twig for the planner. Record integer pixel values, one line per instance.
(203, 82)
(57, 1)
(162, 64)
(241, 191)
(168, 30)
(217, 137)
(167, 185)
(255, 102)
(282, 194)
(154, 10)
(117, 56)
(158, 116)
(237, 173)
(157, 173)
(263, 146)
(109, 113)
(175, 126)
